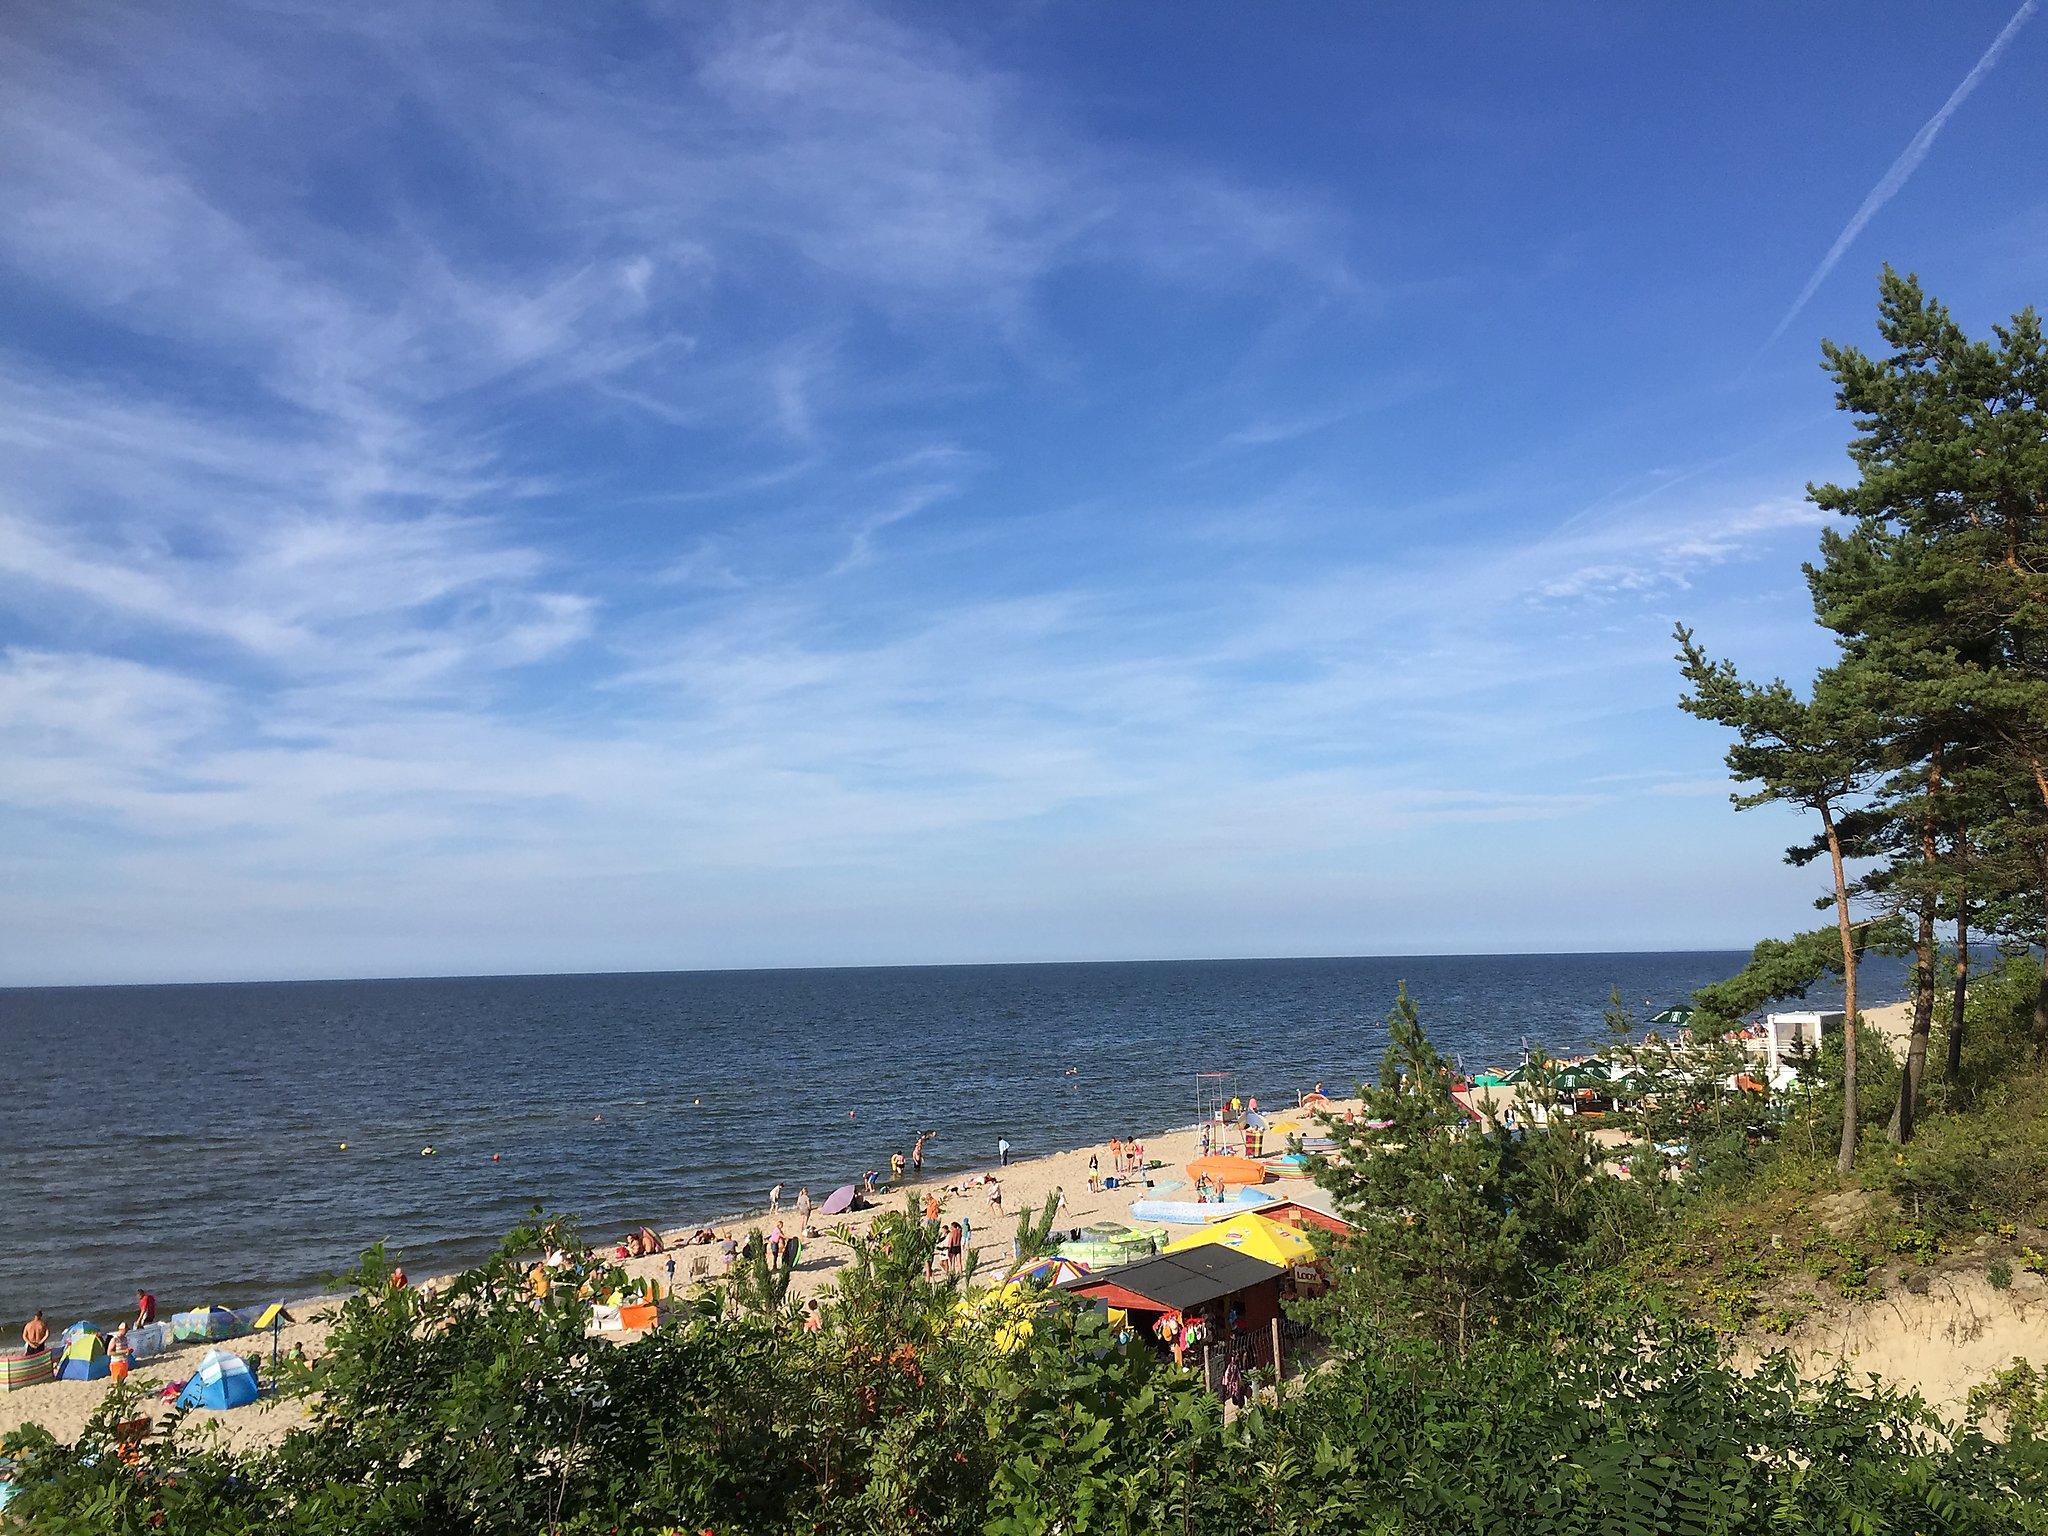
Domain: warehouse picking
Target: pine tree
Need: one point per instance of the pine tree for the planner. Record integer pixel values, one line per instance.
(1455, 1224)
(1952, 497)
(1816, 753)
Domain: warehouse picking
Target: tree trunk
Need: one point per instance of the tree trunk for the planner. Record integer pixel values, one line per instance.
(2041, 990)
(1954, 1068)
(1907, 1109)
(1845, 1160)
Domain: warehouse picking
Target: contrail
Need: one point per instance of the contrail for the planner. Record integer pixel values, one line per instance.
(1903, 167)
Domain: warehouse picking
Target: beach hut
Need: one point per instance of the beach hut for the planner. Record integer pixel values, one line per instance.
(84, 1359)
(1224, 1169)
(1304, 1214)
(1252, 1233)
(1207, 1279)
(19, 1369)
(222, 1381)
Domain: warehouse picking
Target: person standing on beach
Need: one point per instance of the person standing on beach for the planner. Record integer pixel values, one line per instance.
(145, 1308)
(35, 1334)
(1003, 1149)
(775, 1200)
(956, 1244)
(803, 1210)
(995, 1197)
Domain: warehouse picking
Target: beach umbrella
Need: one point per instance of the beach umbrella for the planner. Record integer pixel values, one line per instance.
(1592, 1073)
(1052, 1271)
(269, 1320)
(841, 1199)
(1255, 1121)
(1677, 1015)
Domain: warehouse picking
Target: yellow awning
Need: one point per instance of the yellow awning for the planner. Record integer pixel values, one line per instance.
(1251, 1233)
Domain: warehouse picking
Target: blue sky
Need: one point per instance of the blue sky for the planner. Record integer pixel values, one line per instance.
(524, 487)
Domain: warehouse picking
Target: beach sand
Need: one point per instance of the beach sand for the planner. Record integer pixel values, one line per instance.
(1925, 1356)
(63, 1407)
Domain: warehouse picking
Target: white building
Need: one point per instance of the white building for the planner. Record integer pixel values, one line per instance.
(1785, 1035)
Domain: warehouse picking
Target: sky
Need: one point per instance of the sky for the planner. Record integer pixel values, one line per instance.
(522, 487)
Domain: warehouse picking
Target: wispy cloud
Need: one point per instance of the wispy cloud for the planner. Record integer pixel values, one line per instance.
(1901, 169)
(710, 487)
(1662, 549)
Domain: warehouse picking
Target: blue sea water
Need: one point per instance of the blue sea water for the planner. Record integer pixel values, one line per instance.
(189, 1137)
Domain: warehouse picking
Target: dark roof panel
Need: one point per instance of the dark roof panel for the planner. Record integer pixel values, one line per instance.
(1183, 1280)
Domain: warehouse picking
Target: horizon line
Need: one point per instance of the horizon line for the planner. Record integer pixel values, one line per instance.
(912, 965)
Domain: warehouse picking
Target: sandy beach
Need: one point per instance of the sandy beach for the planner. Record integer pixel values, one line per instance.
(63, 1407)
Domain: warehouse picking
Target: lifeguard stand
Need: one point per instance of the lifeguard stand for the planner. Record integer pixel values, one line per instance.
(1213, 1093)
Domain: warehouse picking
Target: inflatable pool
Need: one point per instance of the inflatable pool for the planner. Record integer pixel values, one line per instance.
(1194, 1213)
(1105, 1247)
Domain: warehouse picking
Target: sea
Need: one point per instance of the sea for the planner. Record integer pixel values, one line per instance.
(228, 1144)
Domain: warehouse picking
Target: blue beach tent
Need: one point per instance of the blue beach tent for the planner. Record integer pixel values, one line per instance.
(84, 1359)
(222, 1381)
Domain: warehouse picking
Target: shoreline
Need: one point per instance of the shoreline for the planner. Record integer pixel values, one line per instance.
(62, 1407)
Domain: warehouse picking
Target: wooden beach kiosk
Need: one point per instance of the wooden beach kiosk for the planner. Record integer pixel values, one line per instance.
(1204, 1283)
